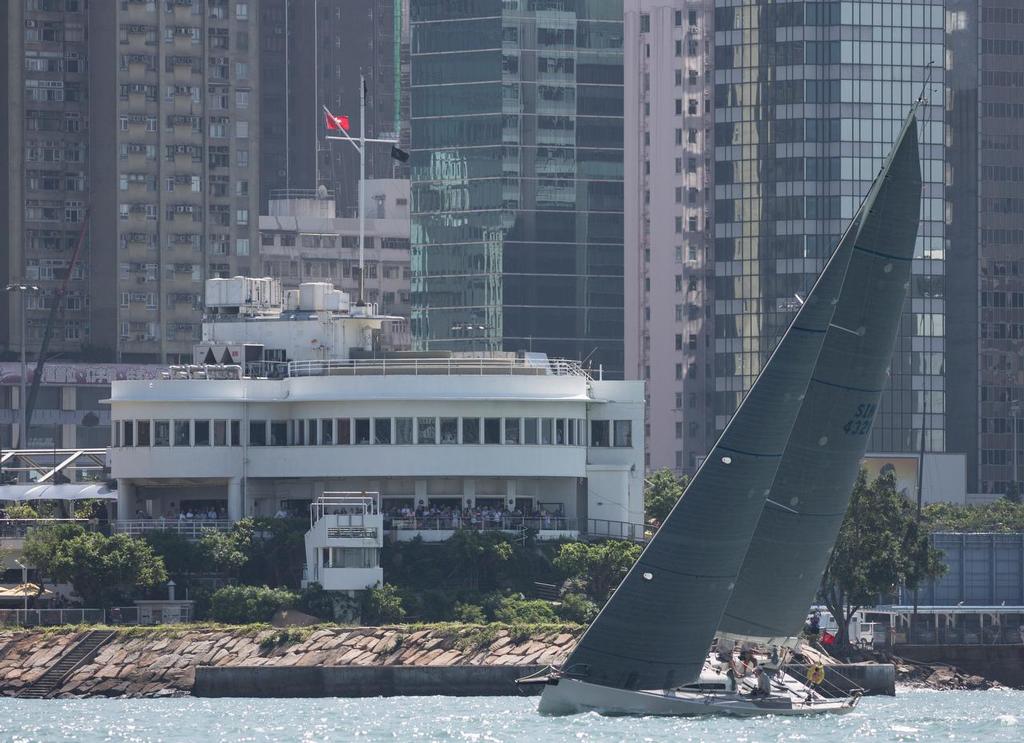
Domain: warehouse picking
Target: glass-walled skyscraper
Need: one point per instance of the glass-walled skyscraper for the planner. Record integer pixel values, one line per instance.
(517, 201)
(808, 100)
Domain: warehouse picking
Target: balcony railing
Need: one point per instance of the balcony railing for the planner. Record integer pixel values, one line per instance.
(189, 528)
(351, 532)
(587, 527)
(475, 366)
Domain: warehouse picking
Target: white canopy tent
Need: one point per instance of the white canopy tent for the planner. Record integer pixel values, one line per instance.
(48, 491)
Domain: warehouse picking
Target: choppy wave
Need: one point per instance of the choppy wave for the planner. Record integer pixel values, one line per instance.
(913, 715)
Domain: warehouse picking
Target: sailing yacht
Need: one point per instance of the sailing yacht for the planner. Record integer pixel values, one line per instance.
(740, 557)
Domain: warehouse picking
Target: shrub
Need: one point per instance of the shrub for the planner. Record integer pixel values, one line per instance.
(314, 600)
(469, 613)
(517, 610)
(382, 605)
(577, 608)
(22, 511)
(247, 604)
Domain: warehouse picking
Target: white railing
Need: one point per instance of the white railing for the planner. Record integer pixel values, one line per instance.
(50, 617)
(345, 504)
(598, 528)
(477, 366)
(189, 528)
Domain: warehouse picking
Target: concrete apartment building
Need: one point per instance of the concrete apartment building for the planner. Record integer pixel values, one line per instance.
(668, 212)
(311, 55)
(303, 239)
(144, 113)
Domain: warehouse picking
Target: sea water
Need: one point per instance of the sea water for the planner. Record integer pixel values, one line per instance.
(913, 715)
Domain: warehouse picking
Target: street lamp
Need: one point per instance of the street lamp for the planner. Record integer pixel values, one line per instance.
(22, 290)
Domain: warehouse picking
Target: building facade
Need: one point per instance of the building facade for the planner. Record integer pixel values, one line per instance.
(517, 135)
(808, 100)
(141, 116)
(311, 55)
(69, 413)
(308, 407)
(985, 288)
(303, 239)
(668, 217)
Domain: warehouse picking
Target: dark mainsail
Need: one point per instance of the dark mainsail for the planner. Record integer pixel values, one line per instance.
(655, 630)
(752, 531)
(782, 570)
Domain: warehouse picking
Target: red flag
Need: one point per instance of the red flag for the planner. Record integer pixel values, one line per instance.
(827, 638)
(335, 122)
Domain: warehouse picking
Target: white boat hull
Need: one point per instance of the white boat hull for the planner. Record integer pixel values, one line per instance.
(567, 696)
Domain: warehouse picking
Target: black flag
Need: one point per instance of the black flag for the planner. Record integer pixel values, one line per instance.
(399, 154)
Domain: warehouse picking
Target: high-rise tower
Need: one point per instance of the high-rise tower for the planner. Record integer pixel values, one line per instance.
(517, 177)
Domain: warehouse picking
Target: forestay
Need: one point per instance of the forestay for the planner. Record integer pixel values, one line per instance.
(782, 570)
(655, 631)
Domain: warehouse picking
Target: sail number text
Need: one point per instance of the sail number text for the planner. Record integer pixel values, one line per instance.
(860, 423)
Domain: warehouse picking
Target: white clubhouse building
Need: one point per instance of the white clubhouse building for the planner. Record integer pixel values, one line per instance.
(288, 399)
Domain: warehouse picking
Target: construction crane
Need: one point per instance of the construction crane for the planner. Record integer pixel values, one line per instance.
(55, 312)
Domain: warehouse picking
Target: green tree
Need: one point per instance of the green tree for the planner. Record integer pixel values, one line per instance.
(40, 547)
(662, 491)
(248, 604)
(275, 550)
(577, 608)
(880, 547)
(469, 613)
(999, 516)
(104, 568)
(476, 557)
(518, 610)
(382, 605)
(226, 552)
(598, 566)
(180, 556)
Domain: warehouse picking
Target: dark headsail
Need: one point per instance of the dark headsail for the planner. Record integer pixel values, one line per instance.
(782, 570)
(655, 630)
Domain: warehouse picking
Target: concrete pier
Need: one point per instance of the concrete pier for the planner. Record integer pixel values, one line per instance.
(1002, 663)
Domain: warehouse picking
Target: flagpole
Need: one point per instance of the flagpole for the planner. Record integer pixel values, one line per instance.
(362, 186)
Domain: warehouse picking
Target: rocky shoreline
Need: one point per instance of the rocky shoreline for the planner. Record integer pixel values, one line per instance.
(160, 663)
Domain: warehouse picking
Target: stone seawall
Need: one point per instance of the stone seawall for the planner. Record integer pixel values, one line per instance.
(144, 663)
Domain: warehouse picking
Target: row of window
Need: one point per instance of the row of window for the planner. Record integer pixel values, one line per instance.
(364, 431)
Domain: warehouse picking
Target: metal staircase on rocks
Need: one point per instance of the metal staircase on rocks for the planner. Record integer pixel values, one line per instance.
(78, 655)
